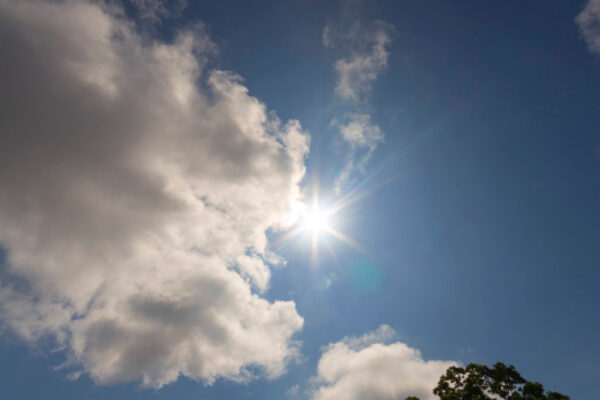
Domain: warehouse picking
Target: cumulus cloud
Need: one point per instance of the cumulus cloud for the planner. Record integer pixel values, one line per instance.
(589, 25)
(362, 138)
(364, 56)
(367, 368)
(136, 190)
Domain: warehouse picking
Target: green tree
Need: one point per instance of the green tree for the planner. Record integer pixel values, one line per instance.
(479, 382)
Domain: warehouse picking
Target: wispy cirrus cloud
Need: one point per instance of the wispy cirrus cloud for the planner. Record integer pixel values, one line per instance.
(365, 55)
(589, 25)
(373, 367)
(362, 138)
(363, 49)
(134, 202)
(157, 10)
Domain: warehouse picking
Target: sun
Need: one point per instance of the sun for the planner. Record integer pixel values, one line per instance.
(316, 220)
(320, 222)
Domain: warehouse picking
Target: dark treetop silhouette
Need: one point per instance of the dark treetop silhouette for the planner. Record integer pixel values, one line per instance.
(479, 382)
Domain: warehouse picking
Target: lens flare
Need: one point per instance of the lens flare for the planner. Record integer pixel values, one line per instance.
(321, 220)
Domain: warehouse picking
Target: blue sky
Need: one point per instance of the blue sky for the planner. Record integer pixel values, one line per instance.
(474, 216)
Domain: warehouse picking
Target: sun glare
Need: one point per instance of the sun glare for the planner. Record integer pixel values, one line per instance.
(320, 223)
(316, 220)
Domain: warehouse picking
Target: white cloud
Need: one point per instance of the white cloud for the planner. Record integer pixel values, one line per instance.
(589, 25)
(365, 56)
(136, 189)
(368, 368)
(362, 138)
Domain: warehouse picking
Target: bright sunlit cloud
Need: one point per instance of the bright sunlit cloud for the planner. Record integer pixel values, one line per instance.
(146, 254)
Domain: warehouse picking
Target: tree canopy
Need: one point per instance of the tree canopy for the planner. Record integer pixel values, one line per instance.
(480, 382)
